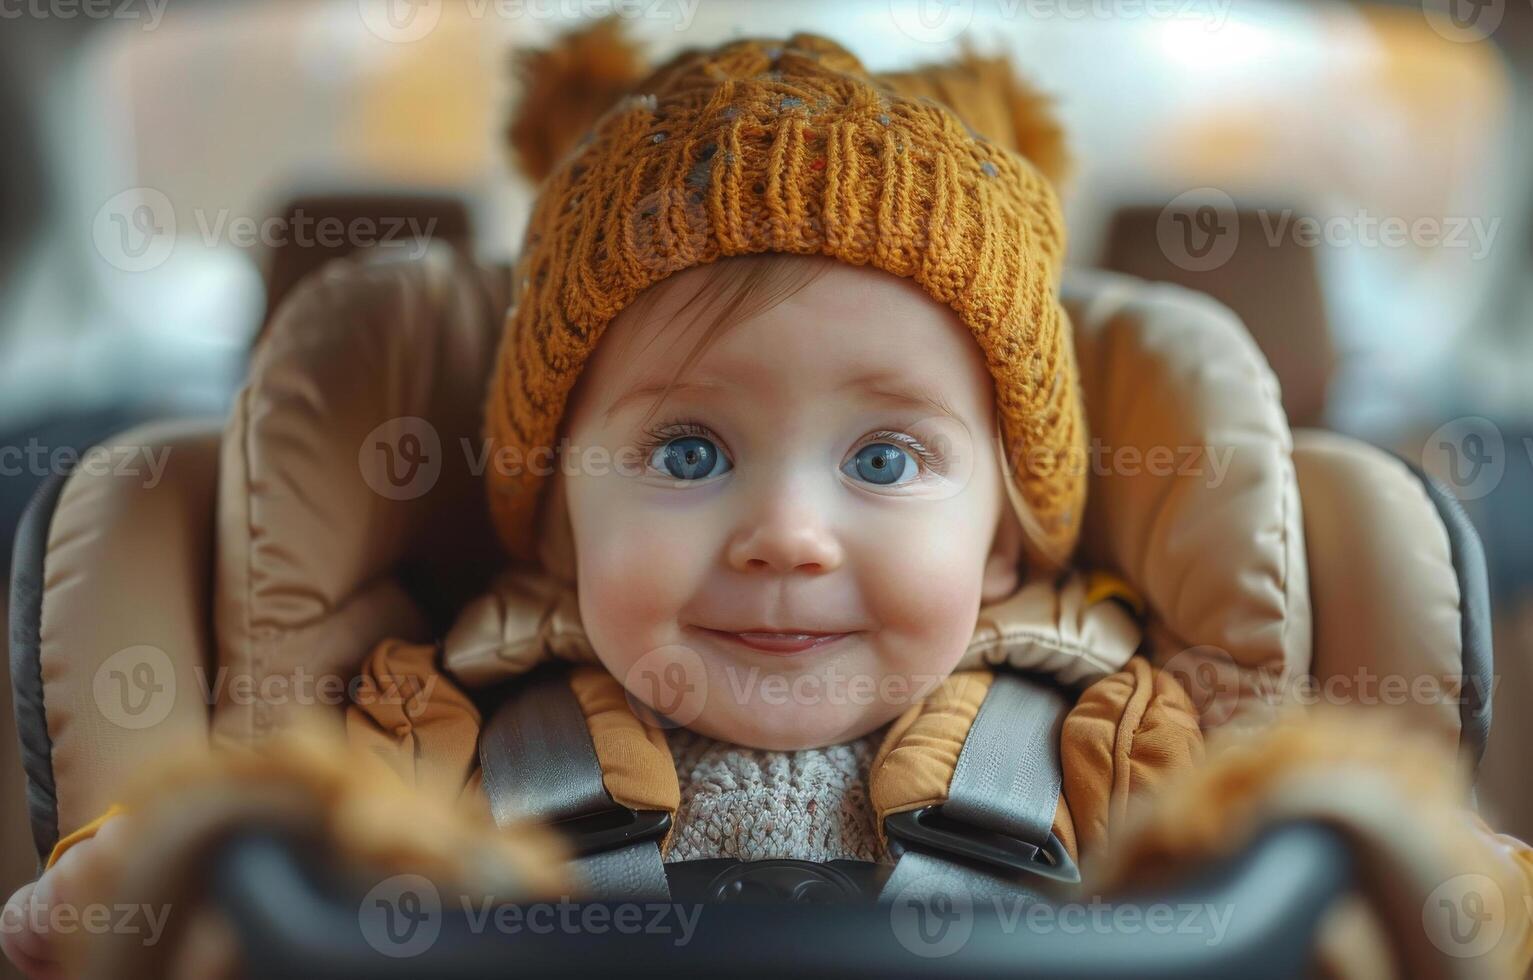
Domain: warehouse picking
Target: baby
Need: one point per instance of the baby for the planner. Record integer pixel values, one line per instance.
(795, 332)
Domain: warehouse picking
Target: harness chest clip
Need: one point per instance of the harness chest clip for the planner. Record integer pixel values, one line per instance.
(610, 829)
(930, 829)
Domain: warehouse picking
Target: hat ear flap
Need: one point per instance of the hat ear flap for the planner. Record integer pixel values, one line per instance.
(566, 88)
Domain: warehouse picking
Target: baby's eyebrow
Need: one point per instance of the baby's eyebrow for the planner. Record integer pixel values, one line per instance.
(659, 390)
(881, 386)
(894, 390)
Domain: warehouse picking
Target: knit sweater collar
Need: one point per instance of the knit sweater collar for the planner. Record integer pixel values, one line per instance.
(755, 805)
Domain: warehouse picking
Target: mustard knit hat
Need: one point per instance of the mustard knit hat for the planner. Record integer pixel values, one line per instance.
(762, 146)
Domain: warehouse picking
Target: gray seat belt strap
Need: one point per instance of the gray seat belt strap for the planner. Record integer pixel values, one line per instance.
(635, 871)
(1002, 799)
(1008, 776)
(539, 763)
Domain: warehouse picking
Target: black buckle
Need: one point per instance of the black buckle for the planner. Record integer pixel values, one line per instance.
(931, 829)
(608, 830)
(775, 881)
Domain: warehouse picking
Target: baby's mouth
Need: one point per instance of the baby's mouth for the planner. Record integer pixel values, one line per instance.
(779, 643)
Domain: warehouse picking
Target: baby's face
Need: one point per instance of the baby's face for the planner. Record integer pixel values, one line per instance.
(790, 548)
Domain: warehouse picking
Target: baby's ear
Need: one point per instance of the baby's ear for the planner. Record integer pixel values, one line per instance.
(1003, 567)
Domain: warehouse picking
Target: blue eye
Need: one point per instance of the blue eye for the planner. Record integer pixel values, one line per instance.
(690, 458)
(882, 464)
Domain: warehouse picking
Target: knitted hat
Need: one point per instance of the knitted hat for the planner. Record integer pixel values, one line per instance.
(761, 146)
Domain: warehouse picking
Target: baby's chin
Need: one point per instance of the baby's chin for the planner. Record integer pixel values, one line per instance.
(778, 728)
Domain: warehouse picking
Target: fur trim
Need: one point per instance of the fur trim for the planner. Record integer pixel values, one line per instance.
(307, 784)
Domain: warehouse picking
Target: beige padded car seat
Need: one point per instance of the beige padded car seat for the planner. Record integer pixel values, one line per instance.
(339, 505)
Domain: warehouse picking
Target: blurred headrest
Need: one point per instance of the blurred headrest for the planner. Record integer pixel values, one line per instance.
(1193, 497)
(348, 506)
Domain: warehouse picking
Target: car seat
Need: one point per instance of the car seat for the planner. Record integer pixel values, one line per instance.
(339, 505)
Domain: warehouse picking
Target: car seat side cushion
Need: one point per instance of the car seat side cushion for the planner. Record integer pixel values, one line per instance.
(1475, 616)
(26, 615)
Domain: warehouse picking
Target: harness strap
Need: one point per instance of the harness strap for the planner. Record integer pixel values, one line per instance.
(635, 872)
(1008, 777)
(997, 823)
(539, 763)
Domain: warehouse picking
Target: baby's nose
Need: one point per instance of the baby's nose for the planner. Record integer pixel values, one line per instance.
(785, 545)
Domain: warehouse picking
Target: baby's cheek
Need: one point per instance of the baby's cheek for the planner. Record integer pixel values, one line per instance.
(926, 594)
(633, 582)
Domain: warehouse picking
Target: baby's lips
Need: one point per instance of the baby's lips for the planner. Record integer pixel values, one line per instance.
(784, 642)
